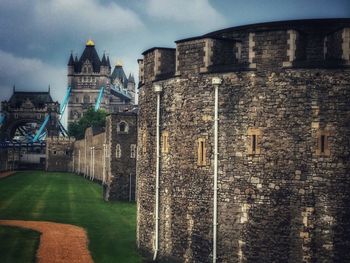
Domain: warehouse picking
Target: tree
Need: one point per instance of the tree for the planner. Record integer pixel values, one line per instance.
(91, 118)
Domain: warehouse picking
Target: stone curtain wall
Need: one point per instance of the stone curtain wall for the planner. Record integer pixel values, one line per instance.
(95, 156)
(121, 172)
(59, 153)
(91, 162)
(285, 199)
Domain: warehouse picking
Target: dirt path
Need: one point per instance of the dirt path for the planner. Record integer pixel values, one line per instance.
(59, 243)
(5, 174)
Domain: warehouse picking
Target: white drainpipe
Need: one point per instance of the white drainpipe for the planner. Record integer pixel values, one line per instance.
(158, 90)
(93, 163)
(79, 163)
(104, 164)
(216, 82)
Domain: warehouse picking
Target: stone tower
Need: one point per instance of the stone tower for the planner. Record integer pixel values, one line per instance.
(244, 149)
(87, 75)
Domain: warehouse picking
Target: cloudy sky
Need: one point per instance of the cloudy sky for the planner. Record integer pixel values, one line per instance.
(37, 36)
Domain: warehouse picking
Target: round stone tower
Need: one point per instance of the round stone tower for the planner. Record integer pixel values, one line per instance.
(244, 145)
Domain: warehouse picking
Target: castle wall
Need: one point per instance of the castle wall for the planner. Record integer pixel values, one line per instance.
(96, 156)
(285, 199)
(59, 154)
(122, 151)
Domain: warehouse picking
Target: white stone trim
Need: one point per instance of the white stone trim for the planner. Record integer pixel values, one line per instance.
(208, 54)
(157, 56)
(346, 44)
(251, 52)
(177, 53)
(292, 46)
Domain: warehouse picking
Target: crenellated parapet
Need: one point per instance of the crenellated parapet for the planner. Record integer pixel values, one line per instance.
(158, 63)
(320, 43)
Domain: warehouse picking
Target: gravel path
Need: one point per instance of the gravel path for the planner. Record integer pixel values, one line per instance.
(59, 243)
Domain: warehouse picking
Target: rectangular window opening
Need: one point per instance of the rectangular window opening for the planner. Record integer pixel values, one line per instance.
(254, 143)
(323, 140)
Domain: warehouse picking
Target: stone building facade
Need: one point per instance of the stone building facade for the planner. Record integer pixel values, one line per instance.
(109, 156)
(88, 74)
(121, 138)
(283, 150)
(24, 112)
(59, 152)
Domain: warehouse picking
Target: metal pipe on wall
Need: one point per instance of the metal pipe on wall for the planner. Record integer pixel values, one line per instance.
(216, 82)
(158, 90)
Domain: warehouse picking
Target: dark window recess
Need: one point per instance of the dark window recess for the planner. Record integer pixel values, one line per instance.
(323, 140)
(122, 127)
(254, 143)
(202, 151)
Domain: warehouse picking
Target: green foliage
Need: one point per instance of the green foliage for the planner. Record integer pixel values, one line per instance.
(70, 199)
(18, 245)
(91, 118)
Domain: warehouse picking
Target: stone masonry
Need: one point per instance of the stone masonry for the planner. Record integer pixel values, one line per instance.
(121, 137)
(284, 150)
(59, 152)
(109, 156)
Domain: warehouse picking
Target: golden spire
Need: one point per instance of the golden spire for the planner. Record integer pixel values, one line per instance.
(119, 63)
(90, 43)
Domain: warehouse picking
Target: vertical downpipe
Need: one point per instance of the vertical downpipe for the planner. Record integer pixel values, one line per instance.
(79, 163)
(216, 82)
(104, 164)
(157, 90)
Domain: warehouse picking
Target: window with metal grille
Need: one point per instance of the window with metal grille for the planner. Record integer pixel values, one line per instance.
(133, 151)
(118, 151)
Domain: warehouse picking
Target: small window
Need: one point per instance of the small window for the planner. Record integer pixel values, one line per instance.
(118, 151)
(165, 142)
(16, 116)
(322, 143)
(133, 151)
(201, 151)
(123, 127)
(86, 99)
(253, 145)
(54, 152)
(77, 99)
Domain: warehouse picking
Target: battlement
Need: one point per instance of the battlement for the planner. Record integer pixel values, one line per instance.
(321, 43)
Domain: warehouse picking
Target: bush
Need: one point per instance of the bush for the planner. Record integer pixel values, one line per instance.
(91, 118)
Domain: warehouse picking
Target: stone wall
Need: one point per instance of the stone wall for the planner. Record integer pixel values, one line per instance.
(109, 156)
(121, 131)
(89, 155)
(59, 152)
(283, 184)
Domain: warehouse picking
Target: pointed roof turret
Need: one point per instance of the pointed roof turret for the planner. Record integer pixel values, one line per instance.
(90, 54)
(131, 78)
(71, 60)
(108, 63)
(104, 61)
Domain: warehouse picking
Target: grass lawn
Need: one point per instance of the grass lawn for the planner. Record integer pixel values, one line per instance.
(68, 198)
(18, 245)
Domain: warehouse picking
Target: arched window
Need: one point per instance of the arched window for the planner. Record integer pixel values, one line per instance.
(123, 127)
(86, 98)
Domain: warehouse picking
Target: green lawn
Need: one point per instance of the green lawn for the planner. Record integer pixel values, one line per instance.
(68, 198)
(18, 245)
